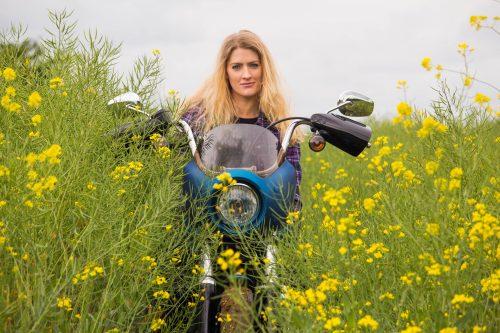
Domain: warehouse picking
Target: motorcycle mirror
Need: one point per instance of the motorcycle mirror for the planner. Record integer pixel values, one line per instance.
(317, 143)
(354, 104)
(128, 97)
(131, 100)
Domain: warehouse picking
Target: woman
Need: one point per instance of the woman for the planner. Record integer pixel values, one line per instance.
(244, 88)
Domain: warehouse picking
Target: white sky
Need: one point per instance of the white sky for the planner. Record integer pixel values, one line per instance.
(322, 48)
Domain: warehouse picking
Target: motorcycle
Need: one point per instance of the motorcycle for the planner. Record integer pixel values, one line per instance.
(249, 186)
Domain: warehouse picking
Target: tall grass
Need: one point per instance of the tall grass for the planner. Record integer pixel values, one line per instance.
(92, 234)
(85, 236)
(412, 244)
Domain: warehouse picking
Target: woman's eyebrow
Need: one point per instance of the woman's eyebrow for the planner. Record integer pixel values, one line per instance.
(250, 62)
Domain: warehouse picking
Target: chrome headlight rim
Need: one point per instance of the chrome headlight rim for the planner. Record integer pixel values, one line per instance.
(247, 223)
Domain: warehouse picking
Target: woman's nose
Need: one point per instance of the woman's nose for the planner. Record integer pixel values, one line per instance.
(246, 73)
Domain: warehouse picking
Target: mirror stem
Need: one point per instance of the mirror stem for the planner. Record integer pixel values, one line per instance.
(339, 106)
(130, 107)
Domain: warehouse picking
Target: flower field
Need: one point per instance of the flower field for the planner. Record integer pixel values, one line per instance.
(403, 238)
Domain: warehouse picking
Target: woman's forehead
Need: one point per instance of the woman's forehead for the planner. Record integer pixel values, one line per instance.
(243, 55)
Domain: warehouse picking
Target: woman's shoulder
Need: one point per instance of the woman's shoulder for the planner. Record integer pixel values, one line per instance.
(192, 112)
(192, 115)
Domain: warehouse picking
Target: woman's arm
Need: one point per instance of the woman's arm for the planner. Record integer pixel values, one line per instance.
(193, 117)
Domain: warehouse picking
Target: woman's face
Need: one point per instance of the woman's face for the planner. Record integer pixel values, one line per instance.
(244, 72)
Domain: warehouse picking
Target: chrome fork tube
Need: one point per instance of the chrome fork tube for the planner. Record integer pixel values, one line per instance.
(271, 265)
(207, 321)
(207, 268)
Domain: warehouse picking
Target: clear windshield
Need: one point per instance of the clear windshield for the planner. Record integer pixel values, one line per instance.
(239, 146)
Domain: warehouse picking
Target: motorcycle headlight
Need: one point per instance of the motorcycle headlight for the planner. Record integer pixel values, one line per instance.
(238, 205)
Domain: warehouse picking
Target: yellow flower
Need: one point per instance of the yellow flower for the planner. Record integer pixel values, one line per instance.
(56, 82)
(34, 100)
(224, 177)
(126, 172)
(51, 154)
(396, 120)
(156, 137)
(467, 81)
(404, 109)
(476, 21)
(401, 84)
(426, 63)
(14, 107)
(113, 330)
(342, 250)
(454, 184)
(481, 99)
(439, 153)
(5, 102)
(229, 259)
(64, 303)
(412, 329)
(461, 298)
(157, 324)
(332, 323)
(449, 330)
(462, 48)
(162, 294)
(397, 167)
(387, 295)
(491, 285)
(46, 183)
(292, 217)
(36, 119)
(430, 124)
(91, 186)
(155, 52)
(432, 229)
(368, 322)
(9, 74)
(407, 124)
(32, 175)
(456, 173)
(164, 152)
(159, 280)
(10, 91)
(225, 180)
(4, 171)
(369, 204)
(431, 167)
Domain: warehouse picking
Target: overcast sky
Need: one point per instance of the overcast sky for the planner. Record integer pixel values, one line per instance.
(322, 48)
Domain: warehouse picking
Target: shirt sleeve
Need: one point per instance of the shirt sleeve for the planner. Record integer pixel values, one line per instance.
(293, 156)
(191, 117)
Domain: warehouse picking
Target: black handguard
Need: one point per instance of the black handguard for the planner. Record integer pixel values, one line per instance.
(159, 122)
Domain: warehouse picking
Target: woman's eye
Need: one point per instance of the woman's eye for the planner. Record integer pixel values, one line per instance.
(235, 67)
(254, 65)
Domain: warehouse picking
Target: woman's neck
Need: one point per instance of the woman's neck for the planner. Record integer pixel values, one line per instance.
(246, 107)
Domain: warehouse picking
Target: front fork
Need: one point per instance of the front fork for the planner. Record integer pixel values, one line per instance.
(208, 322)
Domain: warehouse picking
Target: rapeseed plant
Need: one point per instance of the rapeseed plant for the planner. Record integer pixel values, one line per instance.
(403, 238)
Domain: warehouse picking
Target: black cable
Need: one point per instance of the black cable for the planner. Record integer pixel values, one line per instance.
(285, 119)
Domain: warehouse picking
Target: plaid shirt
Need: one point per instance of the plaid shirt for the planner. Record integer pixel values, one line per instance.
(193, 118)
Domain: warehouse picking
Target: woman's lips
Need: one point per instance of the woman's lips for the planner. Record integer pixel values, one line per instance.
(247, 85)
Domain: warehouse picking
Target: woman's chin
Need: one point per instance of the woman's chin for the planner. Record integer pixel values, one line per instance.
(247, 93)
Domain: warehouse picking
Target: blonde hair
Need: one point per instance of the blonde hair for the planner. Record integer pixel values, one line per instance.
(214, 96)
